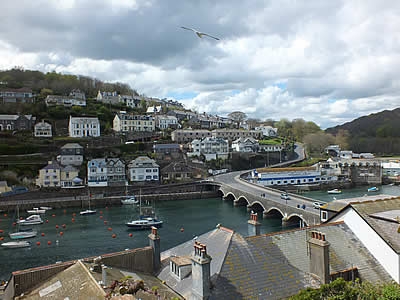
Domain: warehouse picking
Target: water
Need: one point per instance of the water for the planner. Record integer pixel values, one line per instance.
(393, 190)
(90, 236)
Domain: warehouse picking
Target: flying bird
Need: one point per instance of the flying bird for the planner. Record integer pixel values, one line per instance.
(200, 34)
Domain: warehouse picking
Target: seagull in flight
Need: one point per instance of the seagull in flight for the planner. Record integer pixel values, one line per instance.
(200, 34)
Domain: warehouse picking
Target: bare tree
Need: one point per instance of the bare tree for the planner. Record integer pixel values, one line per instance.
(237, 117)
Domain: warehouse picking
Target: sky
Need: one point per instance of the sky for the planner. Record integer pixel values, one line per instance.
(328, 62)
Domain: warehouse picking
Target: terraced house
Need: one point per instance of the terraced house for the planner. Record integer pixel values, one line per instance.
(124, 122)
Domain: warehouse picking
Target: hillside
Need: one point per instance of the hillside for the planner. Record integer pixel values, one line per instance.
(377, 133)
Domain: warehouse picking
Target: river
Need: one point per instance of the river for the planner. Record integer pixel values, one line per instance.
(91, 235)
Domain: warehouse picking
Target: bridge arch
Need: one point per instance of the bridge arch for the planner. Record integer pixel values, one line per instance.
(274, 211)
(296, 219)
(256, 206)
(230, 196)
(241, 201)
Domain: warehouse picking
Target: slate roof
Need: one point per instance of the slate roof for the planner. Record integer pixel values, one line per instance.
(386, 229)
(217, 242)
(72, 146)
(74, 282)
(276, 266)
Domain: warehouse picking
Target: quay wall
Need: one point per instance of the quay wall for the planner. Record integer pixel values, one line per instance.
(97, 200)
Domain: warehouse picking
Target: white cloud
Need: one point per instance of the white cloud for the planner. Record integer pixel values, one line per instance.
(327, 62)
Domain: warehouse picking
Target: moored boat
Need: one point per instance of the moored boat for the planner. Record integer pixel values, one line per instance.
(46, 207)
(31, 220)
(17, 244)
(36, 211)
(87, 212)
(373, 189)
(144, 223)
(23, 234)
(335, 191)
(130, 201)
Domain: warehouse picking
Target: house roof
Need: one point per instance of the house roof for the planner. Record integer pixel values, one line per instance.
(72, 146)
(373, 213)
(53, 165)
(276, 266)
(177, 167)
(74, 282)
(341, 204)
(217, 242)
(166, 146)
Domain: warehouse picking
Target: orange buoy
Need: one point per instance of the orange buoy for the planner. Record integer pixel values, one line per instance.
(1, 230)
(38, 243)
(109, 228)
(1, 238)
(101, 212)
(56, 226)
(61, 233)
(65, 211)
(43, 234)
(5, 215)
(48, 242)
(101, 217)
(182, 229)
(21, 218)
(63, 225)
(47, 221)
(105, 222)
(53, 215)
(130, 235)
(73, 220)
(14, 224)
(114, 236)
(74, 214)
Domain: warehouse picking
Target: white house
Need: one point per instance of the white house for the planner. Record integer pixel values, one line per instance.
(270, 148)
(375, 224)
(165, 121)
(97, 172)
(143, 168)
(108, 97)
(245, 145)
(84, 127)
(211, 148)
(267, 130)
(43, 129)
(124, 122)
(154, 109)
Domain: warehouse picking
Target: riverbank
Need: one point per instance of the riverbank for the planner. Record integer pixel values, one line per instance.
(97, 200)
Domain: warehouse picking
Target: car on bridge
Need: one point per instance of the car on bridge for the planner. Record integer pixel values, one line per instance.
(318, 204)
(285, 196)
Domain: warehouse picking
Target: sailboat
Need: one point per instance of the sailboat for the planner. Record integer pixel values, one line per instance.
(88, 211)
(22, 233)
(147, 217)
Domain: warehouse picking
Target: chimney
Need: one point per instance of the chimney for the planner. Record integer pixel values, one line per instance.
(104, 275)
(154, 241)
(201, 272)
(319, 256)
(253, 224)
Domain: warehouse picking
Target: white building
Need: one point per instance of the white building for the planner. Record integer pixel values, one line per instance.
(267, 130)
(391, 169)
(97, 172)
(291, 178)
(84, 127)
(43, 129)
(245, 145)
(165, 121)
(154, 109)
(143, 168)
(124, 122)
(375, 223)
(270, 148)
(211, 148)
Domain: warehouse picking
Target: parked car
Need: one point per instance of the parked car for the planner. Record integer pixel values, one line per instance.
(317, 204)
(285, 196)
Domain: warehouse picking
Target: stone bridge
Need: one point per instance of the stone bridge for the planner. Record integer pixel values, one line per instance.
(271, 204)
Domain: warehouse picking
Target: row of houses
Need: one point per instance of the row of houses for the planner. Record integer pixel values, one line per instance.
(108, 172)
